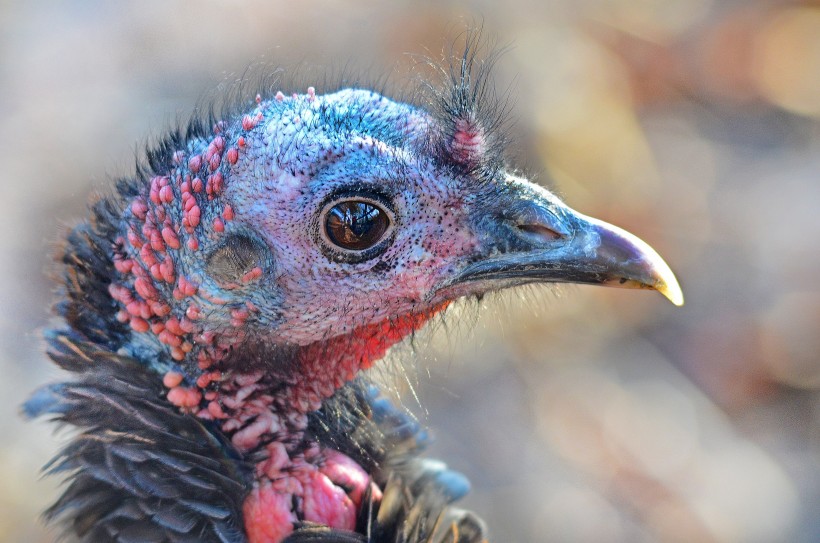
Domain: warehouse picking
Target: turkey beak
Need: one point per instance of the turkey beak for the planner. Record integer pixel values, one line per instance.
(528, 236)
(604, 254)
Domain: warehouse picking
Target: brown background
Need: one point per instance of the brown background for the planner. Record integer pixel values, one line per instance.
(581, 414)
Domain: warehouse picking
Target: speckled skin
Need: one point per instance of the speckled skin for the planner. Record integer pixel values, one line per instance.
(212, 278)
(266, 175)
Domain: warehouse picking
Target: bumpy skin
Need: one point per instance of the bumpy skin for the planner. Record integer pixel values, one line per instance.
(215, 330)
(215, 339)
(142, 471)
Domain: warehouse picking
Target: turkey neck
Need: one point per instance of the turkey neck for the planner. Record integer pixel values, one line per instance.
(261, 393)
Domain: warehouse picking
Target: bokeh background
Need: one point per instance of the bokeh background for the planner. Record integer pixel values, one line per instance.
(583, 414)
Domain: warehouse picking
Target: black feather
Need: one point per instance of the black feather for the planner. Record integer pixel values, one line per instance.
(140, 470)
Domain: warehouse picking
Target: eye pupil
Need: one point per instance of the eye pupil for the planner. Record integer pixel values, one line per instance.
(356, 225)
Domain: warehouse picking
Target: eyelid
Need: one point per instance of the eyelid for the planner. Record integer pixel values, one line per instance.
(363, 192)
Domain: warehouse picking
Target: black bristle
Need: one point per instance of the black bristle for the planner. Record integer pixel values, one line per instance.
(469, 94)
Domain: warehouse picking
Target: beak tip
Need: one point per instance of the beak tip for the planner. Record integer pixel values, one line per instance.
(665, 281)
(643, 266)
(672, 291)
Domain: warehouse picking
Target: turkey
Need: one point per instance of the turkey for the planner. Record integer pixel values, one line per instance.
(221, 303)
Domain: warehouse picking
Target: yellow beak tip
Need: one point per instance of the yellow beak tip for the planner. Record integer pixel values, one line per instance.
(672, 291)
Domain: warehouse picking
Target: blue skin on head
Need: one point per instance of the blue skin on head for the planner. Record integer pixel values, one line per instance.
(259, 267)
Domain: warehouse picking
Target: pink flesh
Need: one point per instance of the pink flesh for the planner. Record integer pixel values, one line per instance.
(329, 485)
(468, 143)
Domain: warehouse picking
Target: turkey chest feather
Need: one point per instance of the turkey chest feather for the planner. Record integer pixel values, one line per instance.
(219, 307)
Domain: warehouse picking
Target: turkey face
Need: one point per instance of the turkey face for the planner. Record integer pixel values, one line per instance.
(367, 218)
(363, 232)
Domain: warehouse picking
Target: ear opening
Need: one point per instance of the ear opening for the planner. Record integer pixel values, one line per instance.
(239, 258)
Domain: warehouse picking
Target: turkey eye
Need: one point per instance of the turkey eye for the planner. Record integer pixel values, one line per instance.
(356, 225)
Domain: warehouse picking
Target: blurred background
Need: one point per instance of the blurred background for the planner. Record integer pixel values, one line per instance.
(583, 414)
